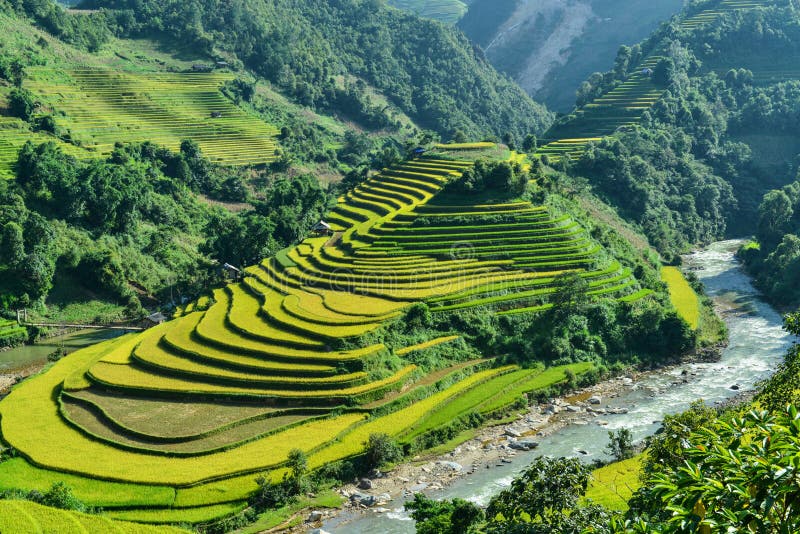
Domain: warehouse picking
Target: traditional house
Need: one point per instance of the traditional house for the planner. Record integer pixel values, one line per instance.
(322, 228)
(231, 271)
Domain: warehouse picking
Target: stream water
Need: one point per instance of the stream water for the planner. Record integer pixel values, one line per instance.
(27, 355)
(757, 345)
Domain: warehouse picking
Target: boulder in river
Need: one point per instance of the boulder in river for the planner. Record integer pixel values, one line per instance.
(314, 516)
(453, 466)
(524, 445)
(365, 484)
(595, 399)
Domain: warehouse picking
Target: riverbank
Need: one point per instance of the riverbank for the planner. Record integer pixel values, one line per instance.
(757, 345)
(487, 448)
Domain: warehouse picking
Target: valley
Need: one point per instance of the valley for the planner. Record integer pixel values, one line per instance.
(350, 245)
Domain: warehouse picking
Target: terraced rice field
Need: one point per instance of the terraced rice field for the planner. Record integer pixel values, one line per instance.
(174, 424)
(624, 106)
(14, 133)
(23, 517)
(447, 11)
(682, 295)
(99, 107)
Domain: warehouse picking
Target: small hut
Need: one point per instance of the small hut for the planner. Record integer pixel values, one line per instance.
(156, 318)
(216, 114)
(322, 229)
(647, 71)
(417, 152)
(231, 271)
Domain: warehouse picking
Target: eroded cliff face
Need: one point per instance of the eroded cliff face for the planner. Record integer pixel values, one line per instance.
(550, 46)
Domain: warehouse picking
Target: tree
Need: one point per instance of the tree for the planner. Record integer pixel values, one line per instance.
(297, 481)
(775, 212)
(572, 293)
(737, 476)
(60, 496)
(381, 450)
(547, 489)
(12, 245)
(444, 517)
(620, 444)
(21, 104)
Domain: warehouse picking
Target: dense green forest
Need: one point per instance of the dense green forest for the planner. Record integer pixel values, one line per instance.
(313, 51)
(133, 227)
(721, 137)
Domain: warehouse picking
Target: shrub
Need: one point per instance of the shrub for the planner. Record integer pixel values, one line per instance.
(381, 450)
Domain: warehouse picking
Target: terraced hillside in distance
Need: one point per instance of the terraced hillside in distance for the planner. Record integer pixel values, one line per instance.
(447, 11)
(98, 107)
(624, 106)
(175, 424)
(14, 133)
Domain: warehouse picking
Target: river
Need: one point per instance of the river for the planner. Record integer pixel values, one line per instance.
(756, 347)
(31, 355)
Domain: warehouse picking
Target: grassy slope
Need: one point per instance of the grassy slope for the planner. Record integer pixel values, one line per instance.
(682, 296)
(614, 484)
(23, 517)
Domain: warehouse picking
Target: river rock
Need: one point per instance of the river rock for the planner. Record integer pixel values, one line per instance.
(318, 531)
(595, 399)
(453, 466)
(314, 516)
(384, 497)
(365, 484)
(524, 445)
(572, 408)
(735, 387)
(357, 496)
(381, 510)
(513, 433)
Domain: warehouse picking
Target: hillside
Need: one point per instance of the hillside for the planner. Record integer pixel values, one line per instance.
(446, 11)
(668, 90)
(550, 47)
(336, 337)
(24, 517)
(105, 252)
(448, 91)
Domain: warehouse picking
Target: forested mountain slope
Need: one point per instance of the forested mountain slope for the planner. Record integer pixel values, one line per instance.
(68, 80)
(435, 261)
(692, 127)
(308, 49)
(549, 47)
